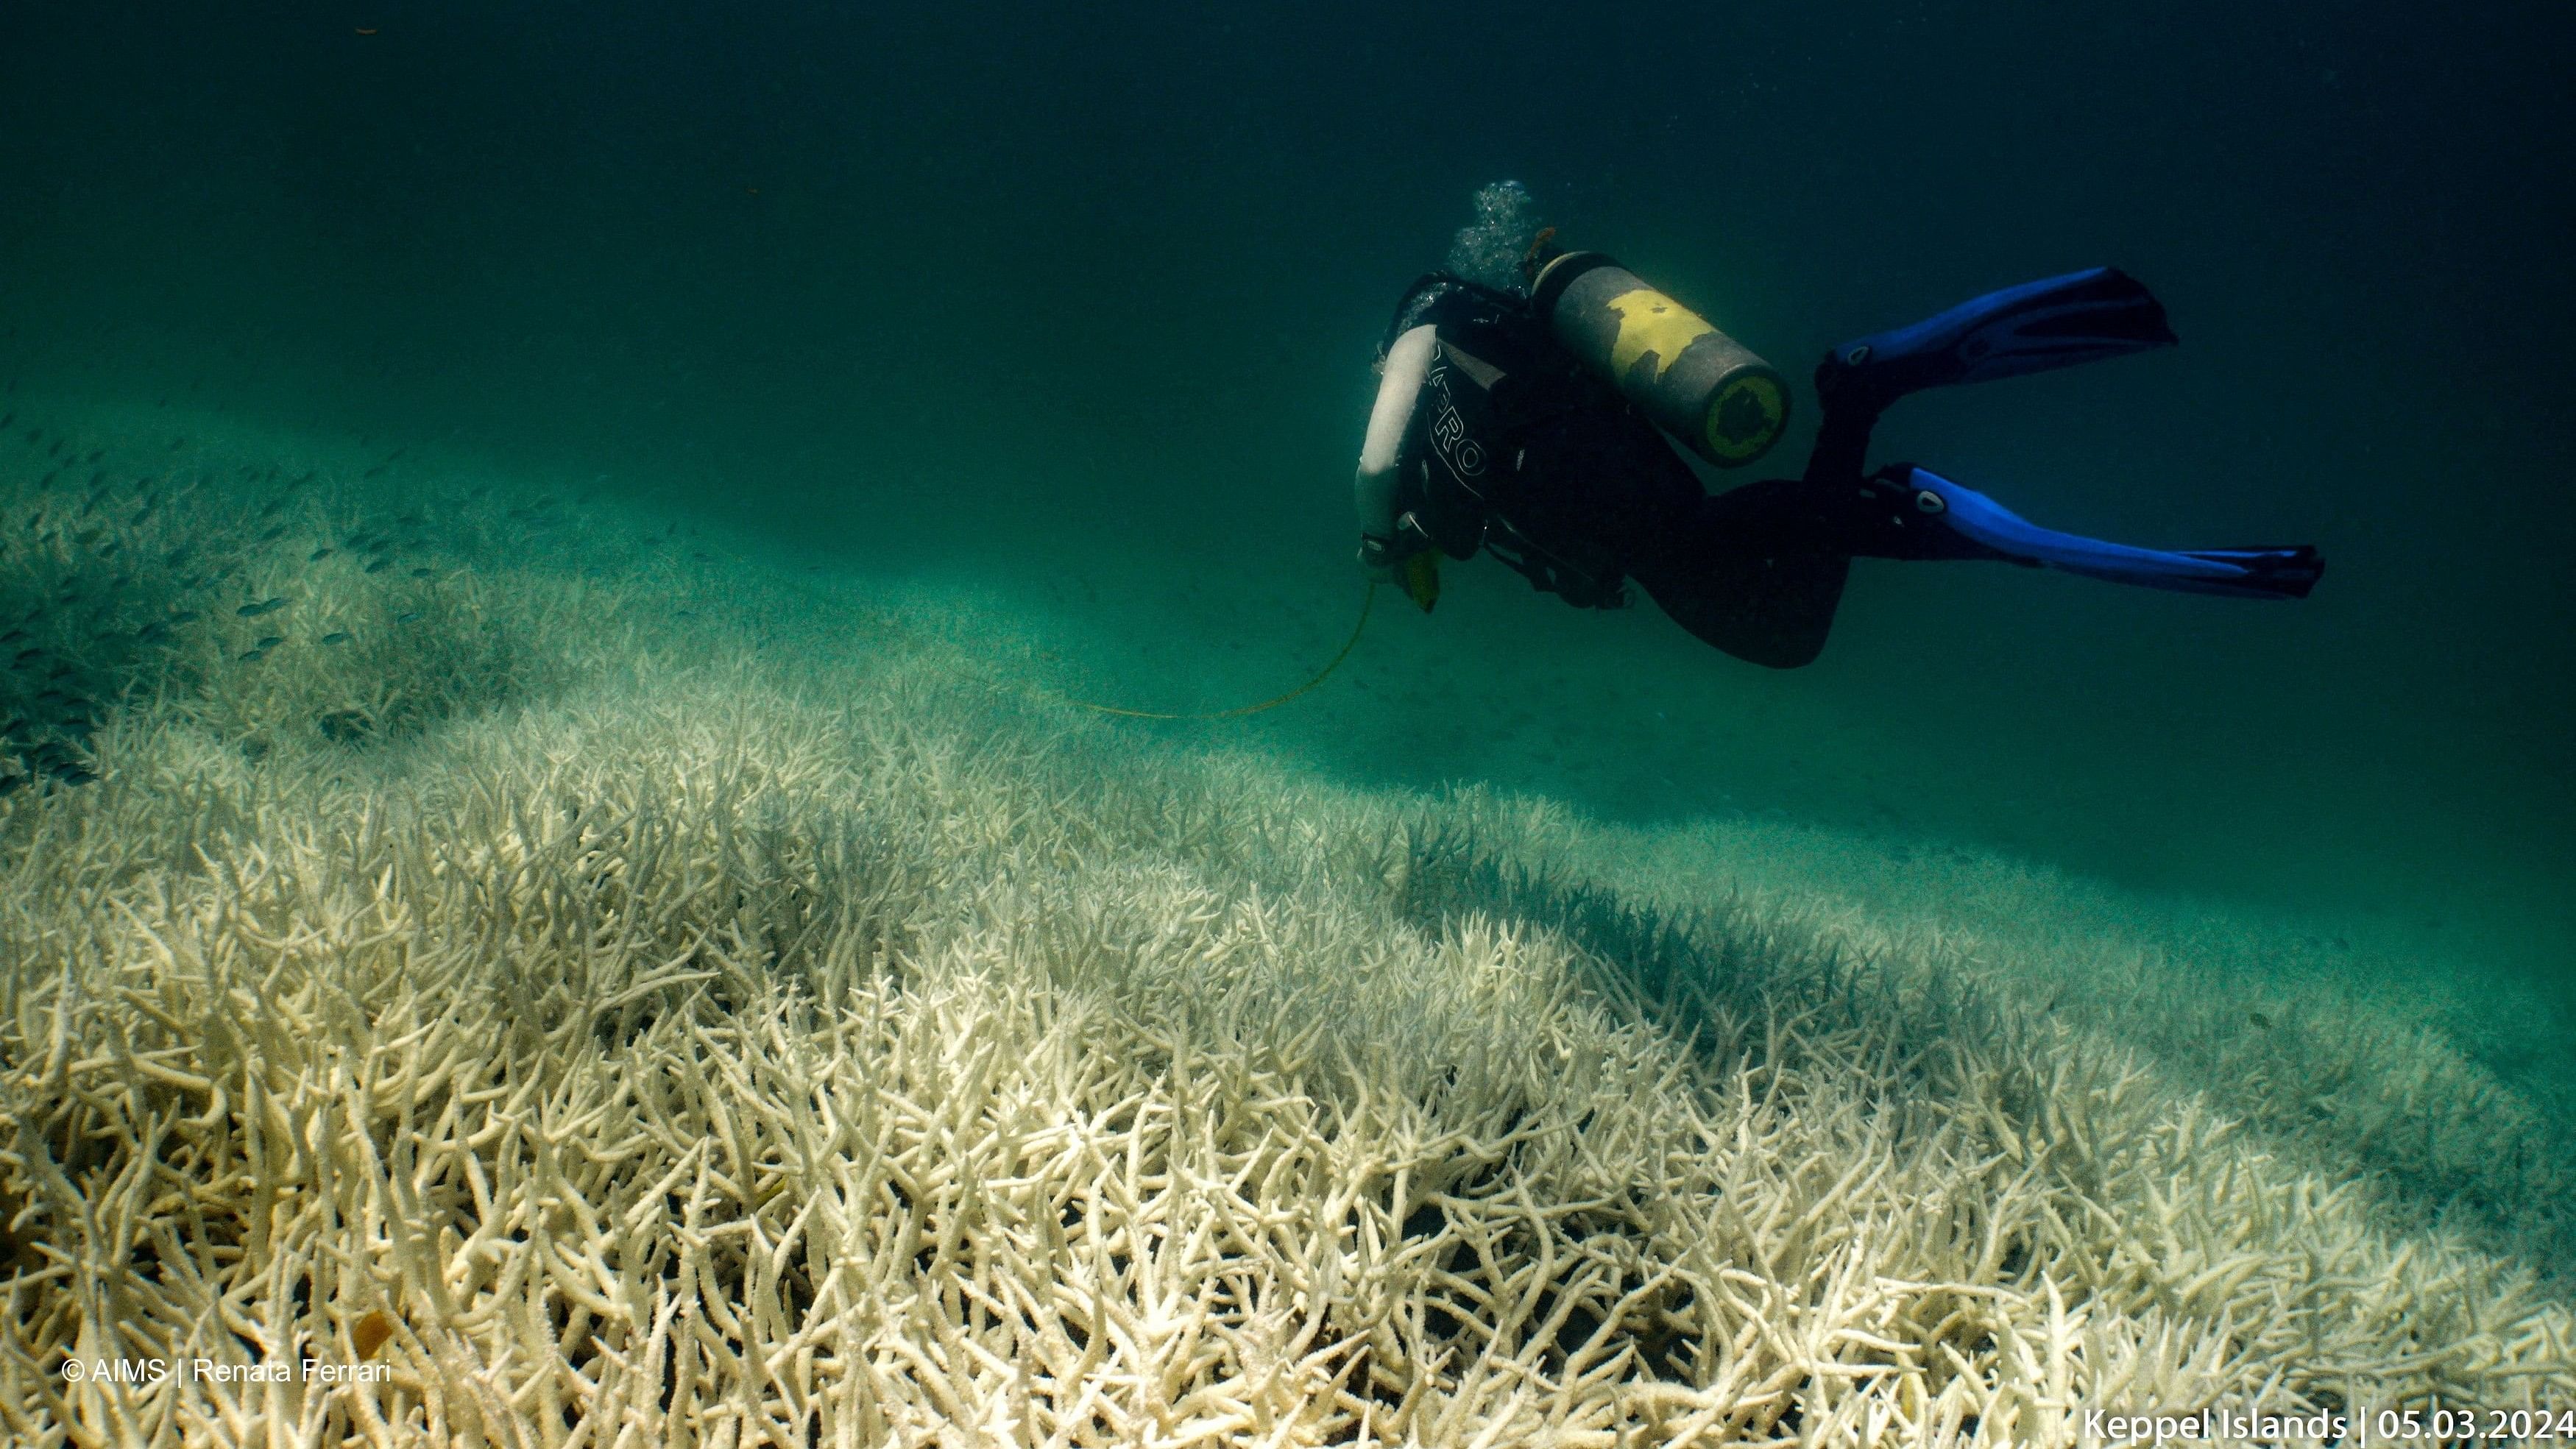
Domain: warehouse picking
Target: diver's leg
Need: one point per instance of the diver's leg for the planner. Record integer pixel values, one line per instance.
(1913, 514)
(2080, 317)
(1757, 571)
(1772, 608)
(2058, 322)
(1917, 513)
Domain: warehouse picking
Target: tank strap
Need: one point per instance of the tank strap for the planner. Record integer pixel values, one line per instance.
(1552, 573)
(1439, 292)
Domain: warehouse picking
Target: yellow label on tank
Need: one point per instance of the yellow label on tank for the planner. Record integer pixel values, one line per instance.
(1745, 419)
(1649, 321)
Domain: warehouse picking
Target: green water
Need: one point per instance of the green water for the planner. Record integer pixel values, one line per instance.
(1073, 311)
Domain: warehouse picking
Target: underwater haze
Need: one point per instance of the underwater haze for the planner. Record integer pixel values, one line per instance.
(1079, 305)
(1030, 347)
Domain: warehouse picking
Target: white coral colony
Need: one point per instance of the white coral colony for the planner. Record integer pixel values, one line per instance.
(591, 1002)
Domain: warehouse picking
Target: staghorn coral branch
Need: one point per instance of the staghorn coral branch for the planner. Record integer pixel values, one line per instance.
(639, 1041)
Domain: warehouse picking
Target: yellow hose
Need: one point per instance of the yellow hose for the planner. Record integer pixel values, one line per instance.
(1366, 600)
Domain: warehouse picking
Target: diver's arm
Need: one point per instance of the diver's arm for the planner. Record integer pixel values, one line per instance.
(1373, 487)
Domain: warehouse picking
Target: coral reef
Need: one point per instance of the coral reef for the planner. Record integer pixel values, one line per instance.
(701, 1007)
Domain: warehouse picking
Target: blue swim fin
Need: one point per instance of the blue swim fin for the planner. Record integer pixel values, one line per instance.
(2260, 573)
(2080, 317)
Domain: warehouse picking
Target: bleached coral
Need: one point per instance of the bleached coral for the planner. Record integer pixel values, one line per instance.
(846, 1048)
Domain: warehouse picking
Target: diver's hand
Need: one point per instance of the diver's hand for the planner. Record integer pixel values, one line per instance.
(1381, 558)
(1412, 565)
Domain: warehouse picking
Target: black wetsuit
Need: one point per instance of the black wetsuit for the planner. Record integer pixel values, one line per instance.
(1489, 434)
(1516, 449)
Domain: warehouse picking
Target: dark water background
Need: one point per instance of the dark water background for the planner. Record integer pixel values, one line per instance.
(1074, 305)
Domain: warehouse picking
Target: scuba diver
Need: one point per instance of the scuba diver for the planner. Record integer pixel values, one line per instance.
(1531, 422)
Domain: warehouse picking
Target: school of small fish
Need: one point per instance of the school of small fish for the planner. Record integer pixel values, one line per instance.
(120, 565)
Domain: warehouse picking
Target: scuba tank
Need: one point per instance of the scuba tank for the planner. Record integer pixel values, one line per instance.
(1703, 387)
